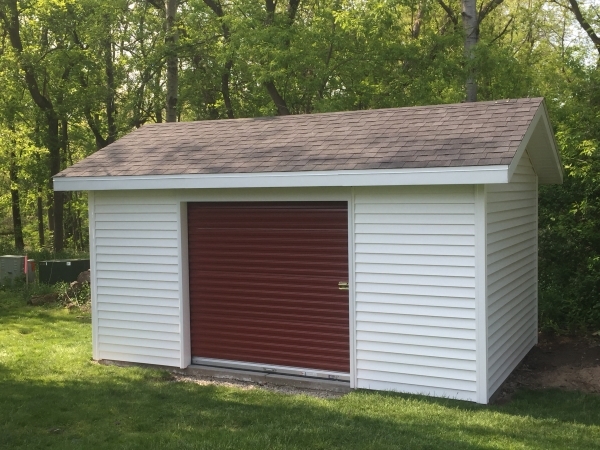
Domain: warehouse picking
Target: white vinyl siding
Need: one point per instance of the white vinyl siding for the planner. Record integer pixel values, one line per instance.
(135, 258)
(415, 290)
(511, 272)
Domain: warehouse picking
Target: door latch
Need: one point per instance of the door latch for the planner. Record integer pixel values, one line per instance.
(343, 285)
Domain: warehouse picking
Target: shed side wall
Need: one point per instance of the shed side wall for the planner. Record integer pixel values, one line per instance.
(415, 290)
(136, 262)
(511, 272)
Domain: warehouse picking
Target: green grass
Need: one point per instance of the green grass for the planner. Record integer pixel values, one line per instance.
(53, 396)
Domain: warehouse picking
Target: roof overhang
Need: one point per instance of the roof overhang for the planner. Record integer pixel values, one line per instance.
(376, 177)
(542, 149)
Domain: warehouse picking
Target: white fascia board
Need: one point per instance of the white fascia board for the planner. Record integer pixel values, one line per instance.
(346, 178)
(523, 145)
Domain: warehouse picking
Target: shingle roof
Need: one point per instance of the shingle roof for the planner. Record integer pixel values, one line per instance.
(464, 134)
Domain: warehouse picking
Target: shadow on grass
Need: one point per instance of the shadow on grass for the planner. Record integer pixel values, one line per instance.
(119, 411)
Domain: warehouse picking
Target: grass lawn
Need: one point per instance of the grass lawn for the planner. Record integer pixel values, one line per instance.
(53, 396)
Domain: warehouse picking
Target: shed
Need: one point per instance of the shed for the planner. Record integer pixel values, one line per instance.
(394, 249)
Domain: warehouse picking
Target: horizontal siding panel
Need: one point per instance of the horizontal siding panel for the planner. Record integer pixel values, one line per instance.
(419, 260)
(416, 365)
(524, 247)
(151, 327)
(415, 280)
(416, 380)
(136, 208)
(500, 375)
(161, 344)
(142, 310)
(136, 284)
(374, 338)
(509, 232)
(137, 226)
(409, 219)
(132, 317)
(510, 196)
(137, 251)
(417, 330)
(451, 194)
(506, 348)
(138, 334)
(494, 207)
(140, 291)
(416, 269)
(511, 322)
(500, 261)
(414, 208)
(427, 321)
(142, 261)
(423, 228)
(152, 243)
(510, 280)
(416, 389)
(415, 300)
(499, 309)
(511, 290)
(142, 359)
(511, 222)
(137, 234)
(414, 239)
(141, 351)
(522, 264)
(135, 218)
(412, 310)
(421, 355)
(146, 301)
(139, 275)
(433, 291)
(509, 241)
(138, 267)
(436, 250)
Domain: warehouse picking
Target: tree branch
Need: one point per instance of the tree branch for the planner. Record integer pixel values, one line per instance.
(585, 24)
(503, 32)
(449, 12)
(488, 8)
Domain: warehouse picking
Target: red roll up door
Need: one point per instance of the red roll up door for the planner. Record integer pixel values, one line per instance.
(264, 283)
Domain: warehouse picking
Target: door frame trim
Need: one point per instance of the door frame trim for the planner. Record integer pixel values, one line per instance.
(344, 194)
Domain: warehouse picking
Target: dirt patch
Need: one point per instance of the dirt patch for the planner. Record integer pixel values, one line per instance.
(571, 363)
(249, 385)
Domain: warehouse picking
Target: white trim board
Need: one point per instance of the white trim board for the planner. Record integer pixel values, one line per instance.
(342, 178)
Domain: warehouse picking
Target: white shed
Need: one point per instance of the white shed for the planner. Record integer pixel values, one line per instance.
(394, 249)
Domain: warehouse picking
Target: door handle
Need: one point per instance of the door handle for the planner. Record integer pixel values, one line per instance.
(343, 285)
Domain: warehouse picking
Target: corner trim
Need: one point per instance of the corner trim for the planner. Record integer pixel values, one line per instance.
(481, 332)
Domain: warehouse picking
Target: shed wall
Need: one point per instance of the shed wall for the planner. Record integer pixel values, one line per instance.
(511, 272)
(415, 290)
(135, 257)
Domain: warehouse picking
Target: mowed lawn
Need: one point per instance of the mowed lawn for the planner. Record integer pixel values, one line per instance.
(53, 396)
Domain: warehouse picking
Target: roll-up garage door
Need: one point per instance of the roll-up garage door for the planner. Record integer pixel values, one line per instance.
(265, 283)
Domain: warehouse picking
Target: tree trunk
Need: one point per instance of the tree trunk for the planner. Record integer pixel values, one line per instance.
(40, 218)
(282, 108)
(110, 90)
(57, 197)
(15, 201)
(172, 60)
(471, 29)
(216, 7)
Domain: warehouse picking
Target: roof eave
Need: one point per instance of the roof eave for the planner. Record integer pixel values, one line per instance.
(541, 146)
(336, 178)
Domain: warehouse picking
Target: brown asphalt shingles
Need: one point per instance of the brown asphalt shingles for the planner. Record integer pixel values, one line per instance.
(464, 134)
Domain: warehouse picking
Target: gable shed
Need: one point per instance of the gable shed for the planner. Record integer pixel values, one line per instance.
(392, 249)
